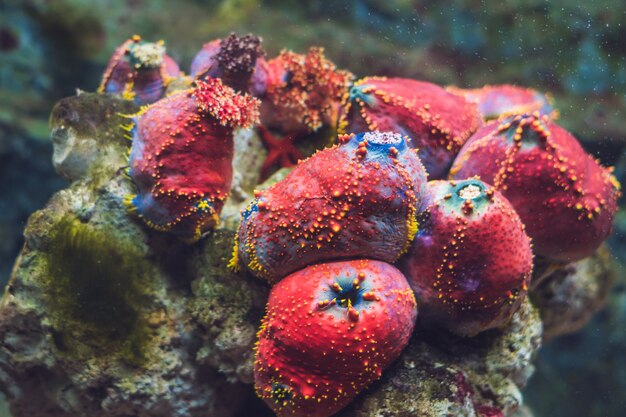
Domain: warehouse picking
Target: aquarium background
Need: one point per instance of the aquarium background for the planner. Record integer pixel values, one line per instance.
(573, 50)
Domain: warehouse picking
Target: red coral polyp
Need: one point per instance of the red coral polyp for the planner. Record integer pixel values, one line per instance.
(329, 331)
(471, 261)
(233, 59)
(438, 122)
(566, 199)
(354, 200)
(302, 92)
(181, 157)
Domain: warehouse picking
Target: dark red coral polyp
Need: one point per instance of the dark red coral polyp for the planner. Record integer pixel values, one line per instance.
(566, 199)
(303, 91)
(329, 331)
(470, 266)
(232, 59)
(438, 122)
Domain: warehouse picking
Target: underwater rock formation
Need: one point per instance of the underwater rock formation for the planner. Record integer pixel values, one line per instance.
(107, 318)
(569, 296)
(107, 305)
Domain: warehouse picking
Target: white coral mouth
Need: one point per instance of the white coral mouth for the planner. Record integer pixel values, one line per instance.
(383, 138)
(470, 192)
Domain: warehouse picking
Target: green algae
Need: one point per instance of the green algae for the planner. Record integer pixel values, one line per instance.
(96, 287)
(218, 293)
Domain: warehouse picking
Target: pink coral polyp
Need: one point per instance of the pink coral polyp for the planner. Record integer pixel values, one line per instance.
(181, 157)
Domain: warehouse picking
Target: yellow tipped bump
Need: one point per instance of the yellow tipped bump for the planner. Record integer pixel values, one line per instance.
(128, 202)
(614, 182)
(233, 263)
(128, 127)
(412, 229)
(256, 267)
(128, 93)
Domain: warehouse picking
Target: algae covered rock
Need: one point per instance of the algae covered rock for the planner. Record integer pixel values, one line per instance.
(444, 375)
(569, 296)
(98, 318)
(96, 325)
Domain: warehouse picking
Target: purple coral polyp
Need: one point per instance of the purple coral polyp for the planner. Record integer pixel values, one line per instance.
(139, 70)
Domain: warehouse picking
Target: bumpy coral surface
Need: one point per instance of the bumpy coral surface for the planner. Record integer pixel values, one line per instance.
(471, 262)
(495, 101)
(438, 122)
(354, 200)
(139, 70)
(232, 59)
(564, 197)
(181, 157)
(302, 92)
(329, 331)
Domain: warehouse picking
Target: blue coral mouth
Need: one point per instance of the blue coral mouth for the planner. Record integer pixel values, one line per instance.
(528, 129)
(358, 93)
(381, 142)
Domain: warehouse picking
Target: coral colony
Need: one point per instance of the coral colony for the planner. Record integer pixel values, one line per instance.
(354, 239)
